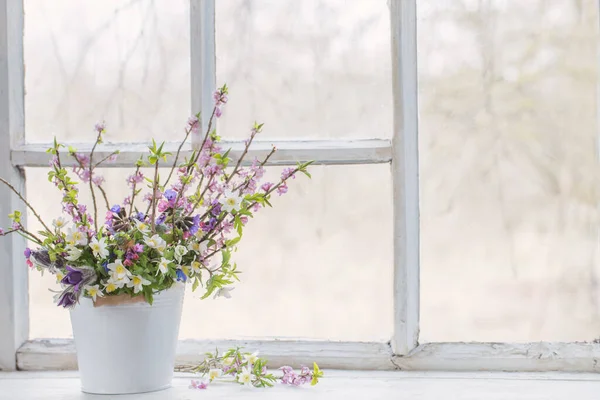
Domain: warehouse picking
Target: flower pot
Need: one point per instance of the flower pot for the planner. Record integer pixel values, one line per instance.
(127, 347)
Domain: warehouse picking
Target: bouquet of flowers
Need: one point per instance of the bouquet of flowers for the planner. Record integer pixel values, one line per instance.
(182, 228)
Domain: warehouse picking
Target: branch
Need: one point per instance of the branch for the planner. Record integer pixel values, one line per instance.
(11, 187)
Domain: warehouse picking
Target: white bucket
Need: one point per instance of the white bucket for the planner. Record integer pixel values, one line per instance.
(127, 348)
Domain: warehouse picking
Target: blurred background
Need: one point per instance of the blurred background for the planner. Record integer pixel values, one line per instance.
(508, 156)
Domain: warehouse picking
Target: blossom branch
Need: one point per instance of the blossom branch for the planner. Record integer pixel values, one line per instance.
(114, 153)
(11, 187)
(100, 129)
(187, 134)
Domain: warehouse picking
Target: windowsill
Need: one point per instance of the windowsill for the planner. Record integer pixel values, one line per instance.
(345, 385)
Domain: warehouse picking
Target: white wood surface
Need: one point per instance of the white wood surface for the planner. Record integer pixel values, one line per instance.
(542, 356)
(203, 59)
(405, 170)
(14, 311)
(347, 385)
(59, 354)
(325, 152)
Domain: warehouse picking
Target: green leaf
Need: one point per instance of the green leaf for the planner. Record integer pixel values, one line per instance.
(196, 284)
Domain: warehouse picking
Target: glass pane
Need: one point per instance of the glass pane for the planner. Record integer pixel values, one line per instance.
(314, 266)
(125, 62)
(509, 161)
(315, 68)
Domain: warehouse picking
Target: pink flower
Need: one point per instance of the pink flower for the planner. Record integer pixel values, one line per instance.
(98, 180)
(127, 200)
(29, 263)
(16, 225)
(256, 207)
(127, 263)
(198, 385)
(266, 186)
(2, 233)
(83, 159)
(282, 189)
(244, 219)
(194, 124)
(218, 112)
(135, 179)
(148, 197)
(112, 158)
(53, 161)
(227, 226)
(287, 173)
(100, 127)
(162, 206)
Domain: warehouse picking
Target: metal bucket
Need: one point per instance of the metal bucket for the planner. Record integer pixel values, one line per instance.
(128, 347)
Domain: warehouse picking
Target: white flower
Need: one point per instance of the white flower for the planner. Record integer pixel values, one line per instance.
(228, 360)
(113, 284)
(196, 267)
(59, 276)
(230, 201)
(251, 358)
(76, 237)
(163, 266)
(119, 272)
(198, 247)
(99, 248)
(214, 373)
(142, 227)
(180, 251)
(59, 222)
(93, 291)
(246, 377)
(156, 242)
(74, 253)
(137, 283)
(223, 292)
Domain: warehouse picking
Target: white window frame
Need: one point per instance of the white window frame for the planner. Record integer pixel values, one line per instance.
(401, 352)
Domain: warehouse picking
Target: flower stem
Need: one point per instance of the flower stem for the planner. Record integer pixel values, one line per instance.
(11, 187)
(154, 188)
(91, 180)
(133, 193)
(187, 133)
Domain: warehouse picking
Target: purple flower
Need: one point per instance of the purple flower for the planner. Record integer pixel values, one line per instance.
(15, 225)
(73, 277)
(138, 248)
(266, 186)
(105, 265)
(287, 173)
(67, 299)
(170, 195)
(218, 112)
(2, 232)
(282, 189)
(140, 216)
(216, 208)
(161, 219)
(196, 225)
(116, 208)
(98, 180)
(181, 276)
(27, 252)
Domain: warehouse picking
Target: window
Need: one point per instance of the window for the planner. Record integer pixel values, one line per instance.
(367, 151)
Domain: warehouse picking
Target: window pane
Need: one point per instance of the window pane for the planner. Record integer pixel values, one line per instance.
(317, 265)
(508, 143)
(125, 62)
(315, 68)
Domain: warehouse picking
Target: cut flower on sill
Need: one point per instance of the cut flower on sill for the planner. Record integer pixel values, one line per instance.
(182, 227)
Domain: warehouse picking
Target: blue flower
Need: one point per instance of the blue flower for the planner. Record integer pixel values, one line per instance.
(116, 208)
(181, 276)
(170, 195)
(105, 265)
(161, 219)
(140, 216)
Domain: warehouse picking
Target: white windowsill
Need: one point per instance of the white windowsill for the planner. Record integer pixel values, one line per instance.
(347, 385)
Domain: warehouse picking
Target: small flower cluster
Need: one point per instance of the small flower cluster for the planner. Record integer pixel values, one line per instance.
(251, 370)
(182, 229)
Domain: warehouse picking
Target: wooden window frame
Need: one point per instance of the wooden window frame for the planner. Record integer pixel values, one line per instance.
(401, 352)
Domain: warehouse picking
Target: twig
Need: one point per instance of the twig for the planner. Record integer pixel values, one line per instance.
(105, 197)
(133, 194)
(154, 187)
(105, 158)
(187, 133)
(26, 203)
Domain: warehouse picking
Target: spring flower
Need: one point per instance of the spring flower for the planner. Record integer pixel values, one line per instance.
(214, 373)
(94, 291)
(230, 201)
(99, 248)
(67, 299)
(180, 251)
(198, 385)
(75, 236)
(287, 173)
(223, 292)
(137, 283)
(118, 270)
(251, 358)
(156, 242)
(142, 226)
(27, 252)
(246, 377)
(73, 277)
(196, 267)
(266, 186)
(181, 276)
(59, 276)
(282, 189)
(116, 208)
(198, 247)
(113, 284)
(59, 222)
(228, 361)
(163, 265)
(74, 253)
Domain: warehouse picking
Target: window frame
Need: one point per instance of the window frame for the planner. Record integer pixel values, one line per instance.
(403, 350)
